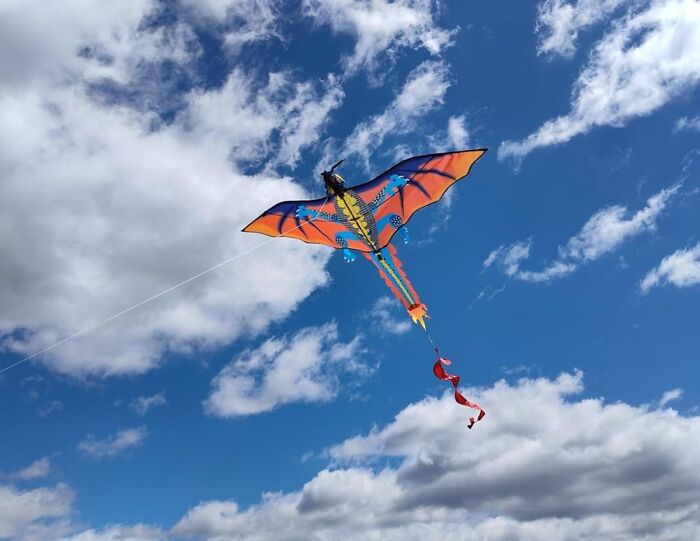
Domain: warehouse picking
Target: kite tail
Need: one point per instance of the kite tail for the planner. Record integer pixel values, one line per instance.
(442, 374)
(391, 270)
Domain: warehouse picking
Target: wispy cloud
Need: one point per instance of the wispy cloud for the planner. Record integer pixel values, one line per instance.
(52, 407)
(249, 119)
(142, 404)
(118, 532)
(423, 91)
(603, 233)
(681, 269)
(38, 468)
(559, 23)
(239, 22)
(669, 396)
(489, 292)
(520, 370)
(302, 368)
(457, 132)
(388, 317)
(643, 61)
(685, 123)
(456, 136)
(381, 28)
(112, 446)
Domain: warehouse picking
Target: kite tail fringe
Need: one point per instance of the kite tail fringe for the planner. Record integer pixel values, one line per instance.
(390, 268)
(441, 373)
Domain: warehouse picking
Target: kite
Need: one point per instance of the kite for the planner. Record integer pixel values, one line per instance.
(364, 219)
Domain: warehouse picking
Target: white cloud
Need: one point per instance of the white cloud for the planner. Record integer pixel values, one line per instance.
(643, 62)
(85, 42)
(52, 407)
(33, 515)
(685, 123)
(239, 21)
(44, 39)
(603, 233)
(139, 532)
(111, 446)
(306, 117)
(118, 206)
(669, 396)
(681, 268)
(457, 132)
(301, 368)
(38, 468)
(455, 137)
(241, 116)
(559, 22)
(142, 404)
(381, 28)
(610, 227)
(384, 317)
(543, 465)
(489, 292)
(423, 91)
(47, 513)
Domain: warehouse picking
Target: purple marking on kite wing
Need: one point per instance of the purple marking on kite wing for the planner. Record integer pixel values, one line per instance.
(320, 231)
(433, 171)
(420, 187)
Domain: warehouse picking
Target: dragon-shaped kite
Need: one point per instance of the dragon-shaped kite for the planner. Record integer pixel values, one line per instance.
(366, 217)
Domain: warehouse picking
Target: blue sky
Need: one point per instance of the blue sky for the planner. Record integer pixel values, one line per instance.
(283, 395)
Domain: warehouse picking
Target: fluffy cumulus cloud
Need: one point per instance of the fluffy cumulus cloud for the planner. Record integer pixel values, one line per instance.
(603, 233)
(681, 269)
(117, 205)
(642, 62)
(119, 443)
(423, 91)
(87, 39)
(36, 514)
(545, 464)
(559, 22)
(381, 27)
(47, 513)
(304, 367)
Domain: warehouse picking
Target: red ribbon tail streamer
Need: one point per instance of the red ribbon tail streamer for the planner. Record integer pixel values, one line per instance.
(442, 374)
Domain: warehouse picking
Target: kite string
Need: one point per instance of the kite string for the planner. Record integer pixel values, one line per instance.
(154, 297)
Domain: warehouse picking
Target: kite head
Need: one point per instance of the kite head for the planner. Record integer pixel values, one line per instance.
(335, 184)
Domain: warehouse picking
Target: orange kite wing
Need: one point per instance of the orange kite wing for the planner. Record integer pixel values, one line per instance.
(281, 221)
(429, 177)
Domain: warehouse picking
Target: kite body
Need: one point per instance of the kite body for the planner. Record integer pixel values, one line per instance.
(366, 217)
(358, 218)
